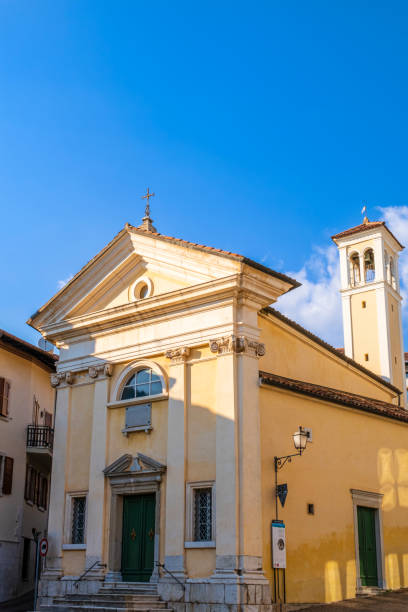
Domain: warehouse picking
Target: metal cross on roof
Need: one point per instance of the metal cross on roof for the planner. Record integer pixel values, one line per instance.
(147, 197)
(147, 222)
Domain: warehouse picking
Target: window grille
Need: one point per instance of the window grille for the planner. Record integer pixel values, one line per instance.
(142, 384)
(203, 515)
(78, 520)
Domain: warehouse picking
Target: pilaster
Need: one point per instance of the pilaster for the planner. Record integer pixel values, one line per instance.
(176, 459)
(238, 460)
(96, 490)
(57, 493)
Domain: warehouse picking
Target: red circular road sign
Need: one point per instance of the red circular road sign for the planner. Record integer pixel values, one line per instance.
(43, 547)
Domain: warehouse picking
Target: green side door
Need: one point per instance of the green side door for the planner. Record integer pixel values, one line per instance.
(138, 537)
(367, 546)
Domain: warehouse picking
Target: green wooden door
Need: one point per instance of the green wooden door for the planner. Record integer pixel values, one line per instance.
(367, 546)
(138, 537)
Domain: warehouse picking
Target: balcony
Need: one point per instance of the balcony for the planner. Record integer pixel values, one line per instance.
(40, 440)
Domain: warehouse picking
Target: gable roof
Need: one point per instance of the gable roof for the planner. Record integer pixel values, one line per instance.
(169, 239)
(275, 313)
(335, 396)
(27, 350)
(220, 252)
(363, 227)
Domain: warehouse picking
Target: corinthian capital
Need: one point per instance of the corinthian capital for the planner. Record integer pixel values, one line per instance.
(178, 355)
(104, 369)
(238, 345)
(60, 377)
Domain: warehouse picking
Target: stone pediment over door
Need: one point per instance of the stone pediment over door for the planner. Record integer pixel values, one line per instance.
(131, 469)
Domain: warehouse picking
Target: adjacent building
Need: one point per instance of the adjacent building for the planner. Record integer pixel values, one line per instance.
(26, 443)
(179, 389)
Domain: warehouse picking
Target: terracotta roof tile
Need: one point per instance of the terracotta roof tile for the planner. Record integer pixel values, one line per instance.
(336, 396)
(328, 347)
(363, 227)
(48, 359)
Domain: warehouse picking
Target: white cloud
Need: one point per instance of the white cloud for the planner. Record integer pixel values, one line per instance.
(396, 218)
(62, 283)
(316, 304)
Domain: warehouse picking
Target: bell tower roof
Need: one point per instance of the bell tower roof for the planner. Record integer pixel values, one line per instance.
(365, 227)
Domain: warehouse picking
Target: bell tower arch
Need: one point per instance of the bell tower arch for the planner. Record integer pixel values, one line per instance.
(371, 299)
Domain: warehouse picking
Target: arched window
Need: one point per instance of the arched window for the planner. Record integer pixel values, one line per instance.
(369, 266)
(355, 269)
(393, 279)
(142, 383)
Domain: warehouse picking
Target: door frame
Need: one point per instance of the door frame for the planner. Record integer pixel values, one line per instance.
(372, 500)
(136, 481)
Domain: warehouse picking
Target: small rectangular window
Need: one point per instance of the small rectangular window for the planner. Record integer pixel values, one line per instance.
(7, 469)
(364, 304)
(78, 520)
(366, 357)
(4, 397)
(203, 514)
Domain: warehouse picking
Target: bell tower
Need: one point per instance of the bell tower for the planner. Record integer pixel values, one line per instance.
(371, 300)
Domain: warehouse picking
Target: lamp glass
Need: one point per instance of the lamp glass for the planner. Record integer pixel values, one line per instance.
(300, 439)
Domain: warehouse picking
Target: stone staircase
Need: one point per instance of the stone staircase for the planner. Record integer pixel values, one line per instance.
(111, 597)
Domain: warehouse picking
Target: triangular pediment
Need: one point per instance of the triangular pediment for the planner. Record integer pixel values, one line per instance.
(107, 283)
(107, 280)
(129, 464)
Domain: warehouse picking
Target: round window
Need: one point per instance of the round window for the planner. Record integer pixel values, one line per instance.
(143, 291)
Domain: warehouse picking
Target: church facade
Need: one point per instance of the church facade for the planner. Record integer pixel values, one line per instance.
(178, 392)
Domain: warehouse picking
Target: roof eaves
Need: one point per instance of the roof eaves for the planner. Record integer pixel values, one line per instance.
(220, 253)
(335, 396)
(48, 359)
(329, 347)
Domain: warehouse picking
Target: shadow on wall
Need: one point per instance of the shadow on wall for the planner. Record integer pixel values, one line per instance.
(392, 469)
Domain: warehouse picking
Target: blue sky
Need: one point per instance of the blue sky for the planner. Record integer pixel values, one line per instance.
(260, 126)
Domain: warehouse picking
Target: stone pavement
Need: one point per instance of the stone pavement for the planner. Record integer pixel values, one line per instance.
(19, 604)
(394, 601)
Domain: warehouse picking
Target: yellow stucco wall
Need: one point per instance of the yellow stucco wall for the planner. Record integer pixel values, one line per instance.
(350, 449)
(365, 330)
(295, 356)
(79, 438)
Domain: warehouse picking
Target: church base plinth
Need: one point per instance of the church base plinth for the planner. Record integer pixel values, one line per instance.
(222, 592)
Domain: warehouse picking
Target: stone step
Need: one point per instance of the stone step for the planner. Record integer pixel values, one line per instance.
(73, 608)
(129, 604)
(125, 597)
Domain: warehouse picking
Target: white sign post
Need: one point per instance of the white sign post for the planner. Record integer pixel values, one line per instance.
(278, 545)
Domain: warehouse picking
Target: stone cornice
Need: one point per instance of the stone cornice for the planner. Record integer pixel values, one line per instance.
(237, 345)
(69, 377)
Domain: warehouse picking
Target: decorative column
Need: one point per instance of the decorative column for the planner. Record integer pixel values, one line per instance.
(176, 450)
(57, 491)
(96, 490)
(238, 461)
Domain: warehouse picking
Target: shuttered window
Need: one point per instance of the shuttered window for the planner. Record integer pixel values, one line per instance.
(36, 488)
(4, 396)
(8, 463)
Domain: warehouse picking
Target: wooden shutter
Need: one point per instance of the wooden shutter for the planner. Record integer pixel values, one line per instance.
(48, 419)
(4, 394)
(8, 475)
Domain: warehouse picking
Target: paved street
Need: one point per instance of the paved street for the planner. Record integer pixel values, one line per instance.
(395, 602)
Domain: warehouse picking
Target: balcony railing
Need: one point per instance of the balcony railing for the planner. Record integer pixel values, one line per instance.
(40, 436)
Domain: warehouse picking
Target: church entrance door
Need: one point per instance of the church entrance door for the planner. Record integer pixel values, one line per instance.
(138, 537)
(367, 545)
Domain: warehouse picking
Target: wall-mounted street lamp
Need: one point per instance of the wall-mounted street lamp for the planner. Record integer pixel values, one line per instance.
(300, 439)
